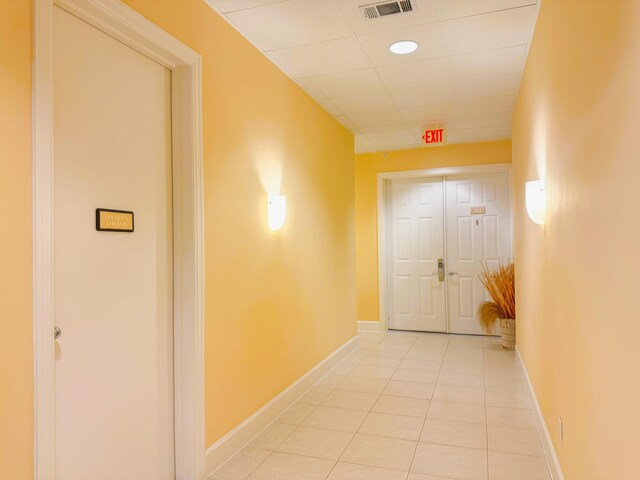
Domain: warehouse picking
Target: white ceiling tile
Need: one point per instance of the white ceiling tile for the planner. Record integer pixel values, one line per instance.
(465, 74)
(370, 102)
(465, 8)
(491, 63)
(243, 4)
(330, 107)
(328, 57)
(425, 95)
(480, 121)
(346, 122)
(420, 140)
(374, 119)
(389, 130)
(487, 87)
(490, 31)
(417, 129)
(454, 137)
(364, 146)
(222, 6)
(483, 106)
(401, 141)
(430, 39)
(415, 74)
(486, 133)
(308, 86)
(430, 114)
(286, 65)
(250, 30)
(348, 83)
(426, 11)
(300, 22)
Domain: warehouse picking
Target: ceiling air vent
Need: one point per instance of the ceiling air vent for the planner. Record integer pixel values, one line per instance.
(384, 9)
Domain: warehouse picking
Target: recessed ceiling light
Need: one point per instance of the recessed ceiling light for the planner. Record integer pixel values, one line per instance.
(403, 47)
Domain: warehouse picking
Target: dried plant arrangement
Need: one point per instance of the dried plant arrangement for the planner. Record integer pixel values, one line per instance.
(500, 283)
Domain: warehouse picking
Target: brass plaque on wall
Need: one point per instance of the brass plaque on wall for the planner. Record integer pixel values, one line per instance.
(108, 220)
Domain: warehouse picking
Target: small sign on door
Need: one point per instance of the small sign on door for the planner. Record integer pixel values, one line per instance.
(108, 220)
(478, 210)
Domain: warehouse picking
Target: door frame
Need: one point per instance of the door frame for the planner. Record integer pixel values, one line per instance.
(126, 25)
(383, 179)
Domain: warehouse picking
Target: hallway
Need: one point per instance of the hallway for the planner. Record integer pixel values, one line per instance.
(405, 406)
(278, 239)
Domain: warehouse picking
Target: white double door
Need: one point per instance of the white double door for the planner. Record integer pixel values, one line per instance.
(440, 230)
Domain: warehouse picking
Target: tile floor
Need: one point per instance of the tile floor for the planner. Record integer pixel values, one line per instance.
(404, 406)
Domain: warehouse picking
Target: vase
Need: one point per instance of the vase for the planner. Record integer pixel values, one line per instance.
(508, 333)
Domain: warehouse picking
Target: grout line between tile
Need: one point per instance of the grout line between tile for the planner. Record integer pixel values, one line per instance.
(354, 434)
(428, 408)
(378, 398)
(370, 410)
(486, 417)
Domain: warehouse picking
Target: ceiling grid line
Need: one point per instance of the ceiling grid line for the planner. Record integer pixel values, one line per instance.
(377, 73)
(465, 74)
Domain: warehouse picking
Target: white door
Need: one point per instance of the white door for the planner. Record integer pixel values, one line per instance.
(478, 229)
(416, 293)
(113, 292)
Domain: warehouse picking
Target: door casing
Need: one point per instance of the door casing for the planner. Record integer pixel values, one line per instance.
(383, 179)
(132, 29)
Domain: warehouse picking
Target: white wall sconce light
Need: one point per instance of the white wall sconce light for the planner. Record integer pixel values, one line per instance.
(277, 211)
(536, 202)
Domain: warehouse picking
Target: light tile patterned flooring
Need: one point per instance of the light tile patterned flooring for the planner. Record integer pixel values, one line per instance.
(404, 406)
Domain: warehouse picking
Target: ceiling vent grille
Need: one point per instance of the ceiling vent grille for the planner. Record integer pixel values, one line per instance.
(384, 9)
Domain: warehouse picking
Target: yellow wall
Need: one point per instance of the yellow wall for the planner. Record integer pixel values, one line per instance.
(16, 365)
(367, 168)
(578, 330)
(276, 303)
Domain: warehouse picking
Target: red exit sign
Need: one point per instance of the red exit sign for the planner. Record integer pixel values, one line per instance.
(434, 136)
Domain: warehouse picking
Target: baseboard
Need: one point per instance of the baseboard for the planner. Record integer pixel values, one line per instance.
(369, 326)
(223, 449)
(547, 444)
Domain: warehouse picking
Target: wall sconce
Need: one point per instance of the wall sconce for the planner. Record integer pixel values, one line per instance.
(277, 211)
(535, 198)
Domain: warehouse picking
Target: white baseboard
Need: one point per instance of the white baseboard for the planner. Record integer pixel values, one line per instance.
(547, 444)
(223, 449)
(369, 326)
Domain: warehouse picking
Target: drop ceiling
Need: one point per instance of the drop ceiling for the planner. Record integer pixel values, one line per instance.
(465, 74)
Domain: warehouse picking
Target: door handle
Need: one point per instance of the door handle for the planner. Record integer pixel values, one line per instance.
(441, 269)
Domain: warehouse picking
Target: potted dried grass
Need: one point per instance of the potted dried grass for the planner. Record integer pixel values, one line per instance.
(500, 283)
